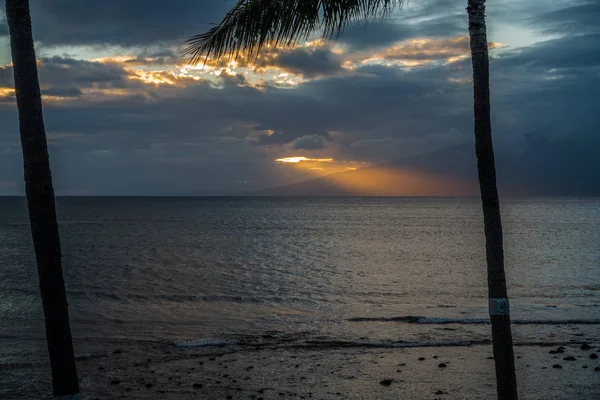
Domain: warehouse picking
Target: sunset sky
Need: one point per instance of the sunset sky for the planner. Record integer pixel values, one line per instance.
(125, 115)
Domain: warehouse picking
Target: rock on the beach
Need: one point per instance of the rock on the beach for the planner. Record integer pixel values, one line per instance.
(597, 369)
(115, 382)
(117, 351)
(569, 358)
(386, 382)
(440, 392)
(585, 346)
(560, 350)
(593, 356)
(421, 358)
(442, 365)
(198, 385)
(558, 366)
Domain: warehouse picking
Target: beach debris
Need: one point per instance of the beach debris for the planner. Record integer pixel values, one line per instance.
(442, 365)
(569, 358)
(558, 366)
(585, 346)
(386, 382)
(440, 392)
(421, 358)
(593, 356)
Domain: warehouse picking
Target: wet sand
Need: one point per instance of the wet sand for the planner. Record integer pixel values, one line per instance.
(161, 371)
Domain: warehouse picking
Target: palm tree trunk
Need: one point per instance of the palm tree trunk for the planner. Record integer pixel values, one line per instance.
(40, 199)
(498, 298)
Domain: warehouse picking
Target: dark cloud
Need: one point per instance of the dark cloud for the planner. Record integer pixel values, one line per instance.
(309, 142)
(113, 134)
(578, 17)
(293, 136)
(436, 18)
(568, 52)
(68, 91)
(277, 137)
(309, 62)
(122, 23)
(62, 72)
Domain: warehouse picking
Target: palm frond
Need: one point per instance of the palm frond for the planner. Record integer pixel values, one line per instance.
(253, 24)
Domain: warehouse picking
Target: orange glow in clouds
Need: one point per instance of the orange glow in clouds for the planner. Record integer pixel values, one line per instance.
(317, 167)
(296, 160)
(359, 179)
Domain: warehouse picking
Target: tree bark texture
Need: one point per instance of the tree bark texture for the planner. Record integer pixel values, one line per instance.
(498, 298)
(40, 200)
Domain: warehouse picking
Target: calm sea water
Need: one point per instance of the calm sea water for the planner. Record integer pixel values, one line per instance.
(249, 270)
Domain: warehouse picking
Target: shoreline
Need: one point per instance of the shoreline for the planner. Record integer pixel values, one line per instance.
(152, 370)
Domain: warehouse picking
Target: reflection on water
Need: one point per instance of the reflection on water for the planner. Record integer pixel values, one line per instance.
(183, 269)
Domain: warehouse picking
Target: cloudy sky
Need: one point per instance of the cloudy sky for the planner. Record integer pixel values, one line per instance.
(126, 115)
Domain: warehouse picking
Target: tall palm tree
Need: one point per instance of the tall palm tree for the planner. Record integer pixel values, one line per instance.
(252, 24)
(40, 200)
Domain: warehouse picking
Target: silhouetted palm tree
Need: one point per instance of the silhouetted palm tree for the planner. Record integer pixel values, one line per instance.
(252, 24)
(40, 199)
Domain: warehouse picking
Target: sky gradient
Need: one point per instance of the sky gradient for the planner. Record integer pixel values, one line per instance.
(125, 115)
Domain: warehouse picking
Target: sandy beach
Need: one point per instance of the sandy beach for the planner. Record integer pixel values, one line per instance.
(154, 371)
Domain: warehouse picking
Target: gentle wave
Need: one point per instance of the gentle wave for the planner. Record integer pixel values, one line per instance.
(411, 319)
(306, 340)
(209, 342)
(301, 341)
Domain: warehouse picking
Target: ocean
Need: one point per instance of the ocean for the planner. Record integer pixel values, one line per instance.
(192, 272)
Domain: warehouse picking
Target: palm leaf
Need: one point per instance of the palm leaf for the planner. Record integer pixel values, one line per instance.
(253, 24)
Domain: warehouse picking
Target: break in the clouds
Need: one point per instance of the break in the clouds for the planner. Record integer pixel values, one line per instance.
(126, 115)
